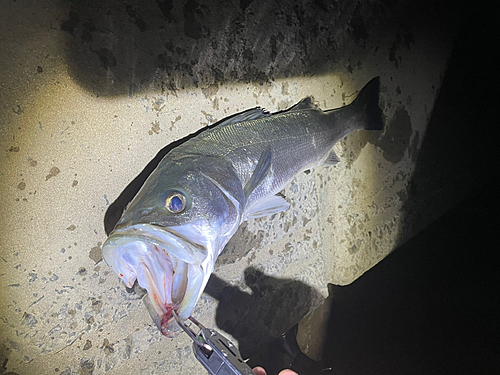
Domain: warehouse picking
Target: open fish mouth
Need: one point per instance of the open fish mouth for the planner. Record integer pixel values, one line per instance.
(165, 263)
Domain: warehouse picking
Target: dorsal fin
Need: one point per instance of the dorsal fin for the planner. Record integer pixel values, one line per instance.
(260, 172)
(251, 114)
(306, 103)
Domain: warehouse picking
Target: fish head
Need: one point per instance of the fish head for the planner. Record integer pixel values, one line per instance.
(172, 232)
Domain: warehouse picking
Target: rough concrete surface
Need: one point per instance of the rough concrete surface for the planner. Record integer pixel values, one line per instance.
(91, 91)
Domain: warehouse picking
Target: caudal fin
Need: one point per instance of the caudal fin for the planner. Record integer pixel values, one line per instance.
(366, 105)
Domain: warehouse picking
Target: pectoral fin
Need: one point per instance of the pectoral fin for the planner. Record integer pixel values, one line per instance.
(259, 174)
(267, 206)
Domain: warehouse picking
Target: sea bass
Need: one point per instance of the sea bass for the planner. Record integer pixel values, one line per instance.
(172, 232)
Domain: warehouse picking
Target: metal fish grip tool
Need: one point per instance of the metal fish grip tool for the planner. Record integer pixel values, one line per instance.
(215, 352)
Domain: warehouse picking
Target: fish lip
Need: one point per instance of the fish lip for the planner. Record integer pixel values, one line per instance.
(165, 238)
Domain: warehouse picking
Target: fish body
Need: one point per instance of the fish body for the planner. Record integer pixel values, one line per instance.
(172, 232)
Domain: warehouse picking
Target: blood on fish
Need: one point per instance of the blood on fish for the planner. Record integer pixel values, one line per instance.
(167, 317)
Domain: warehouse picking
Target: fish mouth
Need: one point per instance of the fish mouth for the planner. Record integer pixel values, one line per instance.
(170, 266)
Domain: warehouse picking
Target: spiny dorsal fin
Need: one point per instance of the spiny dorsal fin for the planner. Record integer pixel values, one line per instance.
(251, 114)
(260, 172)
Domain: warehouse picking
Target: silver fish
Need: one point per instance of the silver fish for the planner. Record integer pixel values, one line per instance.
(172, 232)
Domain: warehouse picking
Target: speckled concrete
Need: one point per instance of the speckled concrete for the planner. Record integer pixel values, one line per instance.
(91, 91)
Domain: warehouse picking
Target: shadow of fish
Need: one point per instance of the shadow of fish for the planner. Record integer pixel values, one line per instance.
(171, 234)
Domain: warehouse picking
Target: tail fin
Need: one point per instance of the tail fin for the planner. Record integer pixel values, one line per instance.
(366, 104)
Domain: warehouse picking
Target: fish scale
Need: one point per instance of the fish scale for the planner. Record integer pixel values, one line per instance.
(298, 141)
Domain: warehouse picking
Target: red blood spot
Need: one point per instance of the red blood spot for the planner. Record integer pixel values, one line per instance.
(167, 317)
(121, 275)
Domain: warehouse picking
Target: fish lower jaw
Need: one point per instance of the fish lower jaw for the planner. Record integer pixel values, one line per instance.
(168, 325)
(162, 316)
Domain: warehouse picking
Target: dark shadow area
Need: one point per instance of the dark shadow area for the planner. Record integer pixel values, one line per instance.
(118, 47)
(460, 150)
(273, 307)
(284, 353)
(431, 307)
(122, 47)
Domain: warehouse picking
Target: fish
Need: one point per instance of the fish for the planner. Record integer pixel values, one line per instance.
(173, 230)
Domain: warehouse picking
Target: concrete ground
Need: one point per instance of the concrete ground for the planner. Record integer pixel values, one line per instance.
(91, 92)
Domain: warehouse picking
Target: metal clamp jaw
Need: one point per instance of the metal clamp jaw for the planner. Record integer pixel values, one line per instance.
(215, 352)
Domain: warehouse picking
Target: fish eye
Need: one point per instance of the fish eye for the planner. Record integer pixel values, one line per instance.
(175, 202)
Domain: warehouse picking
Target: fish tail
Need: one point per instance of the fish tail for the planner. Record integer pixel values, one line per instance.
(366, 106)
